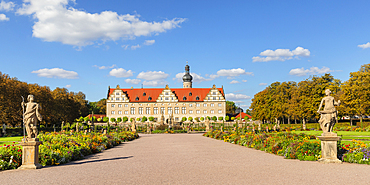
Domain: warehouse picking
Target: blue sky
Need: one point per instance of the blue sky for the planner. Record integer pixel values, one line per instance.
(88, 45)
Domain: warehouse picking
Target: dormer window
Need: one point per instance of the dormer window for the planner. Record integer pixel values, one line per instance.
(144, 94)
(137, 98)
(184, 98)
(190, 94)
(150, 98)
(197, 98)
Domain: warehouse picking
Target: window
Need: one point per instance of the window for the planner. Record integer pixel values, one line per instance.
(155, 110)
(111, 99)
(198, 111)
(140, 110)
(117, 93)
(205, 105)
(166, 98)
(112, 112)
(119, 112)
(190, 105)
(144, 94)
(212, 111)
(137, 98)
(117, 98)
(190, 112)
(147, 110)
(214, 93)
(169, 110)
(183, 110)
(219, 104)
(219, 98)
(219, 111)
(212, 104)
(198, 105)
(184, 98)
(214, 98)
(113, 105)
(197, 98)
(205, 112)
(177, 110)
(132, 110)
(172, 98)
(162, 110)
(190, 94)
(176, 119)
(126, 105)
(119, 105)
(126, 112)
(150, 98)
(166, 93)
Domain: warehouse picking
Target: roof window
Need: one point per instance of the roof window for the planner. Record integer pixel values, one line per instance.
(197, 98)
(190, 94)
(150, 98)
(184, 98)
(137, 98)
(144, 94)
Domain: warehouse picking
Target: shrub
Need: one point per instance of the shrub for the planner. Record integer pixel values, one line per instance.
(227, 118)
(112, 119)
(190, 119)
(220, 118)
(183, 119)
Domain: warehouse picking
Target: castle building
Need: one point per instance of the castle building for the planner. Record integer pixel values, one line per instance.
(177, 102)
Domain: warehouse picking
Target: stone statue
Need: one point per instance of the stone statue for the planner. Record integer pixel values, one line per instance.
(30, 117)
(207, 125)
(133, 126)
(329, 114)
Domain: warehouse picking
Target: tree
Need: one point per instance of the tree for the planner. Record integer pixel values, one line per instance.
(124, 119)
(132, 119)
(151, 118)
(105, 119)
(183, 119)
(99, 119)
(227, 118)
(201, 118)
(190, 118)
(220, 118)
(232, 118)
(144, 119)
(102, 105)
(137, 119)
(246, 118)
(214, 118)
(230, 107)
(86, 119)
(119, 119)
(112, 120)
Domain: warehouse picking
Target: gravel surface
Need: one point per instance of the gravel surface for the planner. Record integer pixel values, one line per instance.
(188, 159)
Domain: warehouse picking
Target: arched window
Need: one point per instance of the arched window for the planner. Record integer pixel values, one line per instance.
(137, 98)
(190, 94)
(184, 98)
(144, 94)
(197, 98)
(150, 98)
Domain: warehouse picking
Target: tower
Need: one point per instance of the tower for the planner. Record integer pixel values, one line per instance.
(187, 78)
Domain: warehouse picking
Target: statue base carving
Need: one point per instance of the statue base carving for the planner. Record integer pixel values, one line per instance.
(329, 148)
(30, 154)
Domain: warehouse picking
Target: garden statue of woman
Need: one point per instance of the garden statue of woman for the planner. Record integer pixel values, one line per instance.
(329, 114)
(31, 116)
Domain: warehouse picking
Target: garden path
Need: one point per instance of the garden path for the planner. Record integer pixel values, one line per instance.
(188, 159)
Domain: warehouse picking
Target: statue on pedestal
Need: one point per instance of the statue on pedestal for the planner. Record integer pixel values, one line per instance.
(328, 116)
(30, 117)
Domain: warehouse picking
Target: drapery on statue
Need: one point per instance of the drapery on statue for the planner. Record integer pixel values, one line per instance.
(329, 114)
(31, 116)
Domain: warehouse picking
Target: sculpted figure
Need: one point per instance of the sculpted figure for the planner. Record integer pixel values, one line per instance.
(329, 114)
(31, 116)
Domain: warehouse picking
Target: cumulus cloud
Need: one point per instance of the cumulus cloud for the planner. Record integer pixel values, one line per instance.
(68, 86)
(58, 21)
(132, 81)
(149, 42)
(234, 82)
(196, 77)
(135, 47)
(56, 73)
(262, 84)
(311, 71)
(3, 17)
(232, 96)
(152, 75)
(120, 73)
(154, 83)
(281, 54)
(7, 6)
(231, 73)
(105, 67)
(364, 46)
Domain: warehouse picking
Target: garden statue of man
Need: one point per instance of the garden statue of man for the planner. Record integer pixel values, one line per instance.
(133, 126)
(207, 125)
(329, 114)
(31, 116)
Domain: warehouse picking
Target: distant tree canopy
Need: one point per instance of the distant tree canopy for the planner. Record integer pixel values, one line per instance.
(56, 105)
(289, 100)
(230, 107)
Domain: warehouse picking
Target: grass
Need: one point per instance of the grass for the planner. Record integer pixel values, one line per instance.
(10, 140)
(347, 135)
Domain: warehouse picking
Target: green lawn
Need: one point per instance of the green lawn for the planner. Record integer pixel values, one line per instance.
(347, 136)
(10, 140)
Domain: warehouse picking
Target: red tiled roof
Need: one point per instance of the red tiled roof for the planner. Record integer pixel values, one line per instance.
(243, 115)
(154, 93)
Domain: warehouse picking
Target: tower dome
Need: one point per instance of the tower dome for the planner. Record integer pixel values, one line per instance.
(187, 78)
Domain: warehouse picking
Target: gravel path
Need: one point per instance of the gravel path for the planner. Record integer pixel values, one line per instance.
(188, 159)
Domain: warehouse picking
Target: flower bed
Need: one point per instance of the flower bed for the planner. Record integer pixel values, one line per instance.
(61, 147)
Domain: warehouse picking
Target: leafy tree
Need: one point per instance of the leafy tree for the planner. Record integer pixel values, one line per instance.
(99, 119)
(196, 119)
(227, 118)
(132, 119)
(183, 119)
(102, 105)
(144, 119)
(105, 119)
(119, 119)
(214, 118)
(190, 118)
(232, 118)
(201, 118)
(246, 118)
(124, 119)
(230, 107)
(112, 120)
(137, 119)
(86, 119)
(220, 118)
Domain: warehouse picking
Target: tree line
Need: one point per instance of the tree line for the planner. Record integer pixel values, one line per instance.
(282, 102)
(57, 105)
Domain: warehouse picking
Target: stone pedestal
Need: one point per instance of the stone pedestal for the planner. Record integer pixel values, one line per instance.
(30, 155)
(329, 148)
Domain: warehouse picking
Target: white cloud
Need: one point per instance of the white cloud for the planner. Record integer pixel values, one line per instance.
(244, 80)
(230, 73)
(3, 17)
(135, 47)
(68, 86)
(262, 84)
(281, 54)
(234, 82)
(149, 42)
(56, 73)
(132, 81)
(364, 46)
(232, 96)
(120, 73)
(7, 6)
(311, 71)
(125, 47)
(58, 21)
(152, 75)
(105, 67)
(196, 77)
(154, 83)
